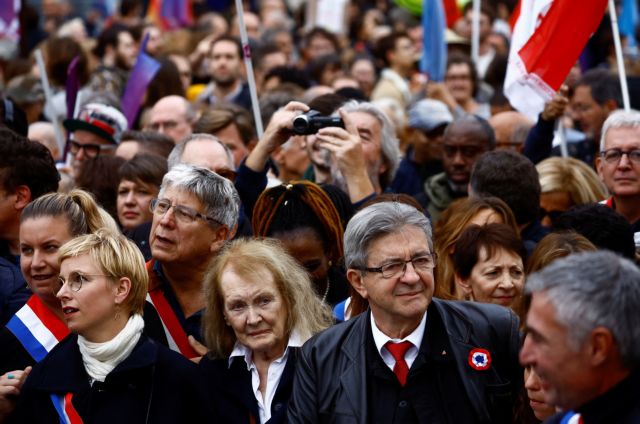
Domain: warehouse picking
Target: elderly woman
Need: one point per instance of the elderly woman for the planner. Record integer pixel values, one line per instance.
(261, 307)
(107, 371)
(488, 265)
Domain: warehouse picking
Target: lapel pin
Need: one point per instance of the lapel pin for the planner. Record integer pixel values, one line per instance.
(479, 359)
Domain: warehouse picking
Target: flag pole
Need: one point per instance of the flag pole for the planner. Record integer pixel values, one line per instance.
(475, 32)
(48, 96)
(249, 66)
(621, 71)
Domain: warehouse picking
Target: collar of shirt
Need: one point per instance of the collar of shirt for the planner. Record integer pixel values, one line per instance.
(240, 350)
(415, 338)
(229, 97)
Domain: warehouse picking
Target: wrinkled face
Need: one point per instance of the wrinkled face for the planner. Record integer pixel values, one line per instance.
(498, 279)
(177, 242)
(89, 311)
(404, 299)
(225, 65)
(461, 149)
(126, 51)
(133, 202)
(587, 112)
(255, 310)
(169, 117)
(458, 81)
(306, 246)
(552, 204)
(622, 178)
(370, 131)
(40, 239)
(566, 375)
(536, 395)
(231, 138)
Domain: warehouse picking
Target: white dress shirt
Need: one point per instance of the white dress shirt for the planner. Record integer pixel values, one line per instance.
(415, 338)
(276, 368)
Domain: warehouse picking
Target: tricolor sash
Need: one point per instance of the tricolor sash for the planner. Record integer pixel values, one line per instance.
(37, 328)
(64, 408)
(176, 336)
(571, 418)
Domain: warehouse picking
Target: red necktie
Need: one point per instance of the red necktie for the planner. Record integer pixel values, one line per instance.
(397, 350)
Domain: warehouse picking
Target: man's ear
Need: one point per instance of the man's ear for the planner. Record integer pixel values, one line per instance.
(23, 197)
(356, 279)
(601, 345)
(465, 287)
(220, 237)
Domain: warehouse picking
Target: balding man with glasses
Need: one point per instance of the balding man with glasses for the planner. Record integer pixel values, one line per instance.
(410, 357)
(619, 165)
(196, 212)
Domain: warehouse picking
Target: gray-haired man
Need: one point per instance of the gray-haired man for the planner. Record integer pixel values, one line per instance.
(583, 337)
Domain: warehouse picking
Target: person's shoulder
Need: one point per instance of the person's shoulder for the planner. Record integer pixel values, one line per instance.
(333, 337)
(168, 357)
(476, 313)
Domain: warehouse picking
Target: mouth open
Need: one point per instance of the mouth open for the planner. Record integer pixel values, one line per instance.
(68, 310)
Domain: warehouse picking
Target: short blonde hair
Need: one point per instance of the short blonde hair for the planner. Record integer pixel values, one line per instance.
(573, 176)
(117, 257)
(306, 313)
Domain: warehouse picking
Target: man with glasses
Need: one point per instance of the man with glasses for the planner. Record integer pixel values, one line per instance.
(410, 357)
(195, 214)
(96, 131)
(465, 139)
(619, 165)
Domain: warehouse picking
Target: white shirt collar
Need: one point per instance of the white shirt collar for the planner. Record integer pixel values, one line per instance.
(240, 350)
(380, 339)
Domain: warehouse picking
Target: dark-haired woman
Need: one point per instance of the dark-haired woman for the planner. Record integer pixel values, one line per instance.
(304, 219)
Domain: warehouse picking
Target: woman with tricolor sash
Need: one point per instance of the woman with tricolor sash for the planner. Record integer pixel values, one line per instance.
(107, 370)
(46, 224)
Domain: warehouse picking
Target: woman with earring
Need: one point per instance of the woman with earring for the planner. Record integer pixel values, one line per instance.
(107, 371)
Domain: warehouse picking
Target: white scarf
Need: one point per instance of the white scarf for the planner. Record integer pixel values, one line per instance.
(101, 358)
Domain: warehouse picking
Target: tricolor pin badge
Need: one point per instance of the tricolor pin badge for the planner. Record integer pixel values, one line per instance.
(479, 359)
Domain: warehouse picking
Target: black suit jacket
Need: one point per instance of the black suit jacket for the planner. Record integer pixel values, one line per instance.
(331, 377)
(230, 394)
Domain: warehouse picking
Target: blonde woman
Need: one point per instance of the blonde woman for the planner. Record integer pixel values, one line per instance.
(261, 307)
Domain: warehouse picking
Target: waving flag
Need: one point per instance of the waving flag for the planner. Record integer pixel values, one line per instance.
(9, 23)
(141, 75)
(547, 40)
(434, 56)
(170, 14)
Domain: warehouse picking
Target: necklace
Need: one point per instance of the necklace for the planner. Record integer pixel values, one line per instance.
(326, 292)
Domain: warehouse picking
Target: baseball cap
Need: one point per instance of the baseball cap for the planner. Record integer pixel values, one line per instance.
(102, 120)
(428, 114)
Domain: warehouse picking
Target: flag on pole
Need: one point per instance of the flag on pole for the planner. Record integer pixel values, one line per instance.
(434, 57)
(141, 75)
(9, 22)
(72, 86)
(547, 40)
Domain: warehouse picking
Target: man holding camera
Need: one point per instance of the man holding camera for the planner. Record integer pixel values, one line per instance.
(364, 151)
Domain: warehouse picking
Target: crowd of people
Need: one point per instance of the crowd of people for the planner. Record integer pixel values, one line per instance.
(390, 249)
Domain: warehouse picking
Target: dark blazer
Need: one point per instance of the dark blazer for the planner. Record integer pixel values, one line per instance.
(152, 385)
(331, 378)
(229, 390)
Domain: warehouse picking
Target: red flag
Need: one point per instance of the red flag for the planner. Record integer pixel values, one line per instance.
(548, 38)
(451, 11)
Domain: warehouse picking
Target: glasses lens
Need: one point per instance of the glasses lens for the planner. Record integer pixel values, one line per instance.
(612, 156)
(393, 269)
(184, 214)
(91, 150)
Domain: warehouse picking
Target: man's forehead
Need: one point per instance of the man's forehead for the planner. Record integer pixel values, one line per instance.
(622, 137)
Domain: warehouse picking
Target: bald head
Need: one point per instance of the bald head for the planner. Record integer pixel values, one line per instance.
(172, 116)
(511, 129)
(44, 133)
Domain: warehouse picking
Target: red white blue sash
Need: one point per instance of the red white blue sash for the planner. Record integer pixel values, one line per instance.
(37, 328)
(176, 336)
(64, 408)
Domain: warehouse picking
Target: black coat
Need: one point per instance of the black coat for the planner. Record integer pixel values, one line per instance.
(229, 390)
(619, 405)
(152, 385)
(331, 377)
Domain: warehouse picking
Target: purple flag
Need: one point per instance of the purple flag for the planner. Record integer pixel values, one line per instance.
(72, 86)
(141, 75)
(9, 23)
